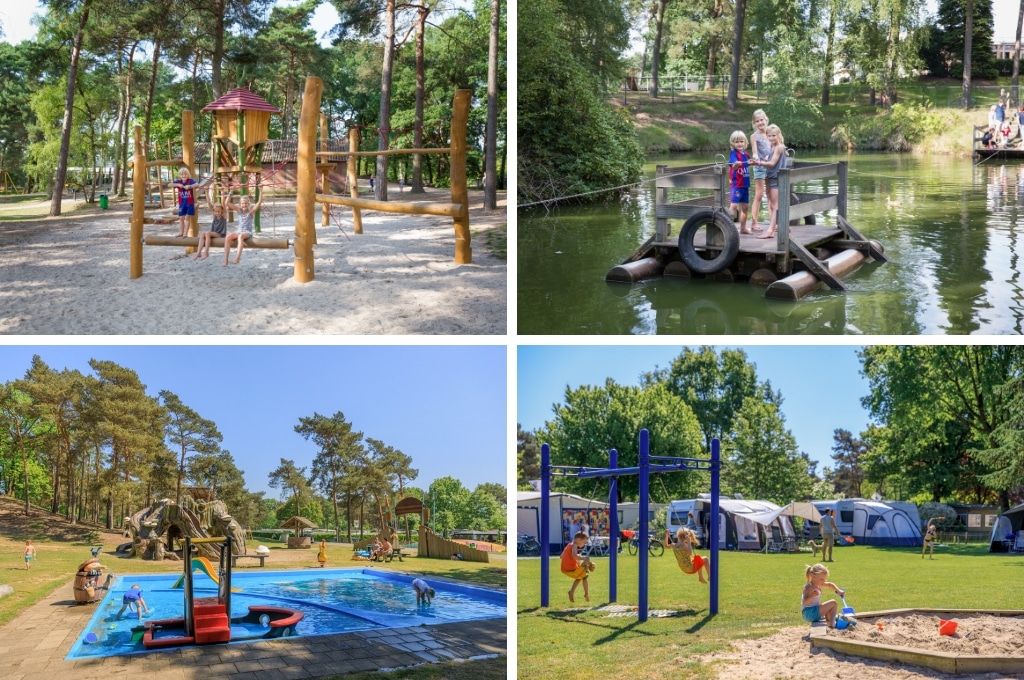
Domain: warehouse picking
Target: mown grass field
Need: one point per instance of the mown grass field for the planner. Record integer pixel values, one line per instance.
(759, 594)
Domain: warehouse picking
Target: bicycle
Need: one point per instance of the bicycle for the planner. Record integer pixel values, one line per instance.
(528, 546)
(654, 546)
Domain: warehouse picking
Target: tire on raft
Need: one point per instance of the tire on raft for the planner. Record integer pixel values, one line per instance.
(731, 237)
(793, 200)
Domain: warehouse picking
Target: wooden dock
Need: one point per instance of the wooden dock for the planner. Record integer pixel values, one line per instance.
(798, 260)
(1012, 153)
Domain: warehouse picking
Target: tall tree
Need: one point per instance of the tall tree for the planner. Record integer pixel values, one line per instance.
(188, 431)
(339, 453)
(764, 461)
(292, 481)
(528, 458)
(491, 143)
(18, 420)
(659, 26)
(1015, 88)
(965, 96)
(737, 49)
(848, 453)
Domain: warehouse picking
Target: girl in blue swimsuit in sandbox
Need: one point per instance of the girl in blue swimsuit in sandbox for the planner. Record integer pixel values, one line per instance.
(812, 607)
(244, 227)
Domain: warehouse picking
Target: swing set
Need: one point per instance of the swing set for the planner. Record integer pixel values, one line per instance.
(647, 464)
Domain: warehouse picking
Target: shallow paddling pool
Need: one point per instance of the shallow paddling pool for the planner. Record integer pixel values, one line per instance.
(332, 601)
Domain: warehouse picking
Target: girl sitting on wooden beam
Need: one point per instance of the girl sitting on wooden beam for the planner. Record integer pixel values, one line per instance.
(243, 228)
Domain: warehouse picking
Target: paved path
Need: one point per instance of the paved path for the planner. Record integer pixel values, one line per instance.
(33, 647)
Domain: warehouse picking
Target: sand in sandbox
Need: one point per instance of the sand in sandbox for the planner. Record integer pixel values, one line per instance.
(788, 653)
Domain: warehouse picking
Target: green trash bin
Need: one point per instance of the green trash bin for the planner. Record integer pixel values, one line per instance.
(104, 202)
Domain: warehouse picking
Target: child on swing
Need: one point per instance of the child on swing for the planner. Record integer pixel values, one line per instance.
(244, 228)
(576, 566)
(689, 561)
(218, 229)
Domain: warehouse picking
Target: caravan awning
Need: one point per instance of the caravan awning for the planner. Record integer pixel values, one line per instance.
(794, 509)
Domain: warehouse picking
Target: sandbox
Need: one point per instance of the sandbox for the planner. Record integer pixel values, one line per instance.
(985, 640)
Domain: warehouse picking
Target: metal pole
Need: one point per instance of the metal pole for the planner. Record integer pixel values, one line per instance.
(190, 629)
(545, 512)
(613, 528)
(716, 459)
(645, 442)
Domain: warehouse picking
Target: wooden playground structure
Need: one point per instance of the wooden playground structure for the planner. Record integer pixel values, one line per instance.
(239, 135)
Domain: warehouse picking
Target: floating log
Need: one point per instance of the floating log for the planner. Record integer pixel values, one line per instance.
(678, 269)
(631, 272)
(193, 242)
(796, 286)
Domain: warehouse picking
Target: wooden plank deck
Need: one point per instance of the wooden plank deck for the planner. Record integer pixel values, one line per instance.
(1004, 154)
(808, 236)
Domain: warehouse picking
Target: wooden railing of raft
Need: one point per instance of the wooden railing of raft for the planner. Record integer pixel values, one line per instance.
(307, 197)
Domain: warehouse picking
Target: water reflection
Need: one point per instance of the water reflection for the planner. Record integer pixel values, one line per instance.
(950, 229)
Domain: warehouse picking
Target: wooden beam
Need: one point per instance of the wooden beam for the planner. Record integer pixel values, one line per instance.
(353, 181)
(401, 207)
(139, 177)
(193, 242)
(305, 203)
(876, 253)
(457, 174)
(816, 266)
(386, 152)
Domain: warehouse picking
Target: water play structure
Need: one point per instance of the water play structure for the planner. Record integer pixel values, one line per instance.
(207, 620)
(799, 260)
(646, 464)
(155, 530)
(242, 121)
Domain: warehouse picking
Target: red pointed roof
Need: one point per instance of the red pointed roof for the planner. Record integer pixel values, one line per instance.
(241, 99)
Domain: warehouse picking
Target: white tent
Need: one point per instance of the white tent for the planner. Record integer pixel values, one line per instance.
(739, 519)
(794, 509)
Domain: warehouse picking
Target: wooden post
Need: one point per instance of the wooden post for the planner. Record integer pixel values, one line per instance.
(353, 179)
(460, 193)
(782, 218)
(325, 180)
(661, 225)
(188, 159)
(305, 208)
(139, 177)
(841, 194)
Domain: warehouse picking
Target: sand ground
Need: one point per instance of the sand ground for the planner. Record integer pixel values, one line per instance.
(788, 653)
(70, 276)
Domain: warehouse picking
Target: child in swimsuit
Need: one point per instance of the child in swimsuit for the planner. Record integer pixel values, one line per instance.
(813, 609)
(576, 566)
(30, 552)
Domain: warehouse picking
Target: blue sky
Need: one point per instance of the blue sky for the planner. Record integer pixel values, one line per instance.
(444, 406)
(821, 385)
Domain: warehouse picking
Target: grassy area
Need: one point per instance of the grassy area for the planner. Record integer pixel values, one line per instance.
(701, 121)
(496, 241)
(758, 596)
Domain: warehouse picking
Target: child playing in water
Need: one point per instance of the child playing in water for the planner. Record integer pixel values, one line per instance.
(424, 593)
(30, 553)
(739, 178)
(576, 566)
(689, 561)
(243, 231)
(813, 609)
(186, 187)
(772, 166)
(132, 600)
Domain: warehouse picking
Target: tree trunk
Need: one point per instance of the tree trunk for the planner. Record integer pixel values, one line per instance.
(826, 81)
(289, 98)
(152, 89)
(1015, 86)
(384, 124)
(491, 143)
(659, 20)
(69, 104)
(965, 97)
(416, 185)
(218, 46)
(737, 45)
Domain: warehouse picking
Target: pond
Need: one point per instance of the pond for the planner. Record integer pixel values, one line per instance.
(949, 228)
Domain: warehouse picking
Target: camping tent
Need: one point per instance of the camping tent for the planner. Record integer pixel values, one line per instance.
(1010, 522)
(876, 522)
(740, 522)
(794, 509)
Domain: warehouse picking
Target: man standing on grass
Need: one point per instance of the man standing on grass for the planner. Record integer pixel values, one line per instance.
(828, 535)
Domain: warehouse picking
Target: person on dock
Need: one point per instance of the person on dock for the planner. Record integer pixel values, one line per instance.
(186, 187)
(988, 137)
(812, 607)
(761, 150)
(772, 166)
(689, 561)
(576, 566)
(739, 179)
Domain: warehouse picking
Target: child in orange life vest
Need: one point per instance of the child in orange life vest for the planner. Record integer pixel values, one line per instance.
(813, 609)
(689, 561)
(577, 567)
